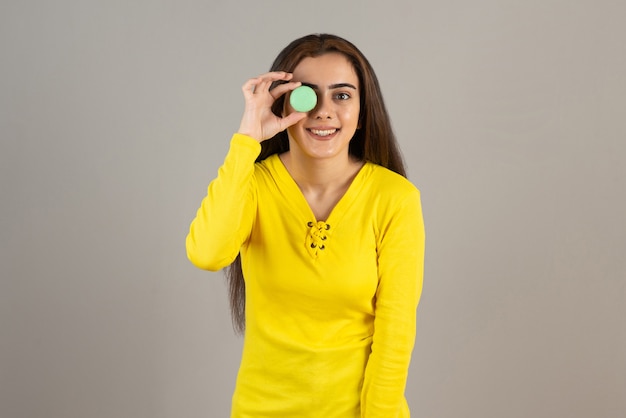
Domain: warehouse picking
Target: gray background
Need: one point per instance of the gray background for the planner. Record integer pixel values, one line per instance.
(115, 115)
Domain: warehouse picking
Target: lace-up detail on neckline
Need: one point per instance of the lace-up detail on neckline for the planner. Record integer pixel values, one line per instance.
(316, 238)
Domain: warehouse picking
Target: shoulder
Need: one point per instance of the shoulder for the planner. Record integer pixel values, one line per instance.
(268, 166)
(392, 198)
(385, 182)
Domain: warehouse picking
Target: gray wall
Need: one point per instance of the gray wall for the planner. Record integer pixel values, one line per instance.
(115, 115)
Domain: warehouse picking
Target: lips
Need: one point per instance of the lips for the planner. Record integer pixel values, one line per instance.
(323, 132)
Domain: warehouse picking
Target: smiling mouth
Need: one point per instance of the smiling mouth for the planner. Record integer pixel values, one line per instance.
(323, 132)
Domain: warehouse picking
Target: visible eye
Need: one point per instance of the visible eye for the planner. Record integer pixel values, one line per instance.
(342, 96)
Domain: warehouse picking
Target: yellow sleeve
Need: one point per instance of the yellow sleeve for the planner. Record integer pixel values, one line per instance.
(400, 275)
(224, 220)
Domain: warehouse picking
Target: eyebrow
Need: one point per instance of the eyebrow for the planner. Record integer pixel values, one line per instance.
(332, 86)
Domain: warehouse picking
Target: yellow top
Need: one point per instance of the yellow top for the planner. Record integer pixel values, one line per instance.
(330, 305)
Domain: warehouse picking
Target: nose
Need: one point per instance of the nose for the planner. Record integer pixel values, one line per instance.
(324, 108)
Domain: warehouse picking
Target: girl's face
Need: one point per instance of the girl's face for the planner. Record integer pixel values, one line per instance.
(329, 127)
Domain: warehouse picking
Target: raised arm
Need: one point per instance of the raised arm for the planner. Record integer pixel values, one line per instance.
(225, 217)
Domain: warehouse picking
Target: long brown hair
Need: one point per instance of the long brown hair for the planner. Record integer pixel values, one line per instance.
(374, 141)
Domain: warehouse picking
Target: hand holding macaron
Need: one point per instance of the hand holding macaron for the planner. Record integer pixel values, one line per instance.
(258, 120)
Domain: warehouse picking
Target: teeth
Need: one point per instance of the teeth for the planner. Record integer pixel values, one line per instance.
(325, 132)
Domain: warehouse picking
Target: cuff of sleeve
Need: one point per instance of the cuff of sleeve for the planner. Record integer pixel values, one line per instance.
(246, 144)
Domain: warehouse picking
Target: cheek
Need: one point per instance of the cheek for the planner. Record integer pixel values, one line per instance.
(293, 130)
(352, 115)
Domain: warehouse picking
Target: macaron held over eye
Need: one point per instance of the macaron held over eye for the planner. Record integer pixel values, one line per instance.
(303, 99)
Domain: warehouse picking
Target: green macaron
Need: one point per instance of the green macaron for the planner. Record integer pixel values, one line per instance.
(303, 99)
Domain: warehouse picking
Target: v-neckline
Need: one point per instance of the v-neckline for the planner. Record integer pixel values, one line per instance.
(337, 211)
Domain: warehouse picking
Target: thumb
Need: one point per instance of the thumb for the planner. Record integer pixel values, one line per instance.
(292, 119)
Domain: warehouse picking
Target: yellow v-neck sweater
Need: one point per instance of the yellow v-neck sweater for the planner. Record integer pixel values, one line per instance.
(330, 304)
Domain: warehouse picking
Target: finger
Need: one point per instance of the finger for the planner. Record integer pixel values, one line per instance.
(263, 86)
(292, 119)
(277, 75)
(263, 82)
(250, 86)
(274, 77)
(281, 89)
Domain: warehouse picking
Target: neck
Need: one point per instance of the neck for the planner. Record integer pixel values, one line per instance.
(323, 175)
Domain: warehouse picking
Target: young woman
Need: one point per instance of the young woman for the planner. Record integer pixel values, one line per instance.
(314, 212)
